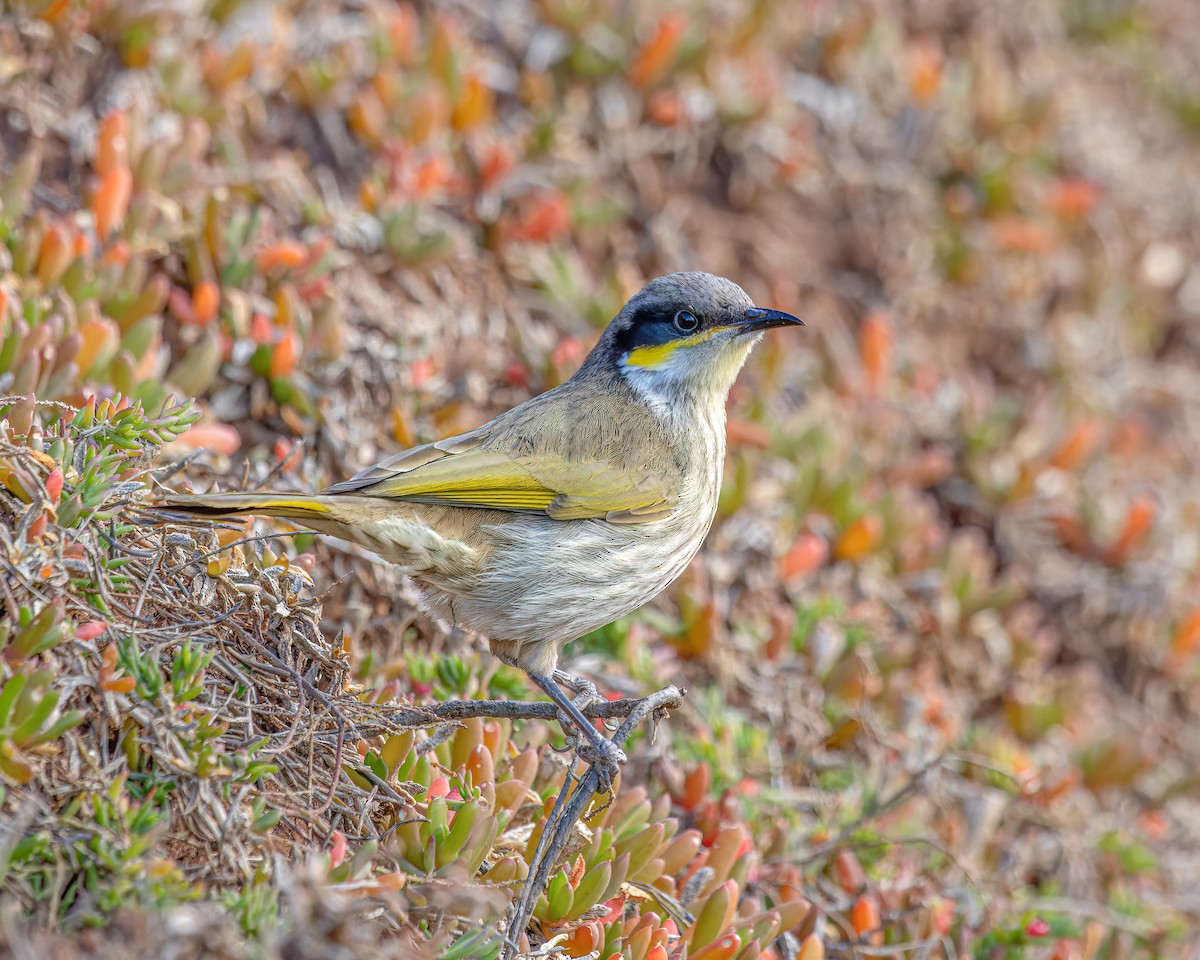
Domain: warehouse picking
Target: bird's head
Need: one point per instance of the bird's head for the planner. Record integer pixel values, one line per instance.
(685, 334)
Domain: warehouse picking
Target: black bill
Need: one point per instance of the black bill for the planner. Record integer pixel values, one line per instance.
(760, 318)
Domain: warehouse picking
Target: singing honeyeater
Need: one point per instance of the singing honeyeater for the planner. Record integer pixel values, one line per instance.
(571, 509)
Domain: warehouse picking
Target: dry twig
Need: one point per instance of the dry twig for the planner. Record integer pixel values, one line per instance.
(567, 810)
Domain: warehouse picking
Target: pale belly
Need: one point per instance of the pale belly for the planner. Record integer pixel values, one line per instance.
(550, 584)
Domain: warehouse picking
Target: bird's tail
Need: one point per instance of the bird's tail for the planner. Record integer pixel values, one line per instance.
(395, 530)
(294, 506)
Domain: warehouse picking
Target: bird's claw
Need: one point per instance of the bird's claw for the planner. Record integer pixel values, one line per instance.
(583, 688)
(605, 756)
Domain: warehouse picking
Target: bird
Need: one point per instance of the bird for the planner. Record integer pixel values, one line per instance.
(568, 511)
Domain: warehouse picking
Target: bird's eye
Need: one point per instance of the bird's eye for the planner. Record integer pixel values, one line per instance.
(685, 321)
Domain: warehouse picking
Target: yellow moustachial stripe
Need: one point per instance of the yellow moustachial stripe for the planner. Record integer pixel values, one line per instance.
(659, 353)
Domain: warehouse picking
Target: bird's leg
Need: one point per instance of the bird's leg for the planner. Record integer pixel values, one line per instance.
(599, 751)
(585, 693)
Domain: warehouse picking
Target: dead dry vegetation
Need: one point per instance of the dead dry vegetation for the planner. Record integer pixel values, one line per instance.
(942, 649)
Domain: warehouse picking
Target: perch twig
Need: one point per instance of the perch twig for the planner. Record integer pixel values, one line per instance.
(568, 809)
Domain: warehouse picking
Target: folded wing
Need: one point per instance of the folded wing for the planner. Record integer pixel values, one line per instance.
(464, 471)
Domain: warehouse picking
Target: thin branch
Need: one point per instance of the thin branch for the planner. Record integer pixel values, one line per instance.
(516, 710)
(566, 813)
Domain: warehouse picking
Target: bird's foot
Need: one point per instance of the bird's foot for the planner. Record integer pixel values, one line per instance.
(604, 755)
(583, 688)
(585, 693)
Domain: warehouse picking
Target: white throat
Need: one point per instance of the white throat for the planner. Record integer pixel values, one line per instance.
(698, 415)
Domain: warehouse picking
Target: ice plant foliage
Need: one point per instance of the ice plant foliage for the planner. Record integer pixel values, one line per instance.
(943, 644)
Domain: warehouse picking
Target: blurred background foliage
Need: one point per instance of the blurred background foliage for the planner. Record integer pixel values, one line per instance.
(943, 647)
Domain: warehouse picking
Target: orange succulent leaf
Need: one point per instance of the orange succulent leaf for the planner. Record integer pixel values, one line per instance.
(1185, 642)
(117, 254)
(866, 920)
(474, 104)
(111, 202)
(261, 328)
(228, 536)
(428, 113)
(665, 108)
(807, 554)
(1139, 521)
(57, 252)
(496, 162)
(811, 948)
(584, 941)
(696, 785)
(391, 882)
(285, 355)
(36, 530)
(112, 143)
(219, 437)
(723, 948)
(367, 117)
(90, 629)
(404, 31)
(925, 71)
(53, 11)
(875, 342)
(206, 300)
(119, 685)
(54, 485)
(655, 56)
(1073, 535)
(337, 850)
(432, 174)
(1080, 442)
(849, 872)
(1020, 235)
(1073, 198)
(109, 670)
(287, 254)
(543, 218)
(859, 538)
